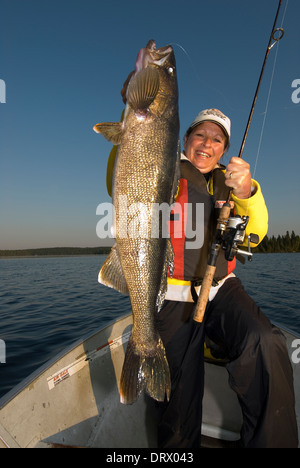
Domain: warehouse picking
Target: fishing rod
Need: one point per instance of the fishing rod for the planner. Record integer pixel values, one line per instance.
(237, 226)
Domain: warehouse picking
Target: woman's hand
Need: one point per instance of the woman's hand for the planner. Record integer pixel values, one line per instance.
(238, 177)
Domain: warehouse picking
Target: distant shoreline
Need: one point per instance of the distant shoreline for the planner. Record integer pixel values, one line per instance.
(290, 243)
(12, 257)
(104, 252)
(54, 252)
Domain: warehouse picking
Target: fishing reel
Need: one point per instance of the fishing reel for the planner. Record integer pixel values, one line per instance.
(234, 235)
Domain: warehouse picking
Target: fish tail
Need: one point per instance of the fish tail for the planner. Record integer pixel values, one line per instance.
(145, 372)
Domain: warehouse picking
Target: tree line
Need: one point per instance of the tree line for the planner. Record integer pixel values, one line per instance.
(55, 251)
(280, 244)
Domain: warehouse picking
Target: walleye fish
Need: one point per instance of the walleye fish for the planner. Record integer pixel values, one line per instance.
(145, 176)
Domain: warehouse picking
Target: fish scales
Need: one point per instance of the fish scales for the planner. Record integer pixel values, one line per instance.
(145, 176)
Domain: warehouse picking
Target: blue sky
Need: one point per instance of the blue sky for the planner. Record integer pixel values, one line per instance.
(64, 63)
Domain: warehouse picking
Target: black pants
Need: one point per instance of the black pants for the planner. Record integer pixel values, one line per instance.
(259, 370)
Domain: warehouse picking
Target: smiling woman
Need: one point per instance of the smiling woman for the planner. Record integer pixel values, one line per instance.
(205, 143)
(205, 146)
(207, 138)
(232, 319)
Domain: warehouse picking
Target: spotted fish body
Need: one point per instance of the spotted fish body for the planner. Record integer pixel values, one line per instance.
(145, 176)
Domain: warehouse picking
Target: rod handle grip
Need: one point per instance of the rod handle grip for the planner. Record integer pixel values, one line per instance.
(204, 293)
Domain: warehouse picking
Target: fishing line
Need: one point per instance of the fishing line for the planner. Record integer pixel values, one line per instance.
(268, 101)
(186, 53)
(201, 81)
(265, 114)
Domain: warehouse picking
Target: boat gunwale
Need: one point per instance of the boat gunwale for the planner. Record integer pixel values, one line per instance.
(19, 387)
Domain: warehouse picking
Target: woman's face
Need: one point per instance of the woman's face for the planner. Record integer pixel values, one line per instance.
(205, 145)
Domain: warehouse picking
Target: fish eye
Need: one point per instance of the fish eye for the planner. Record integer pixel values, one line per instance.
(171, 70)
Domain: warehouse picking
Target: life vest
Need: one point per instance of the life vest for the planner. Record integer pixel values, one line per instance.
(196, 212)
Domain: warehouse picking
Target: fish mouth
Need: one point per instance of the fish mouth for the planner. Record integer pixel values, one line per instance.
(151, 55)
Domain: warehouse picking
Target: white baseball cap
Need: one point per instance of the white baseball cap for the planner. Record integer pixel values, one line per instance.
(216, 116)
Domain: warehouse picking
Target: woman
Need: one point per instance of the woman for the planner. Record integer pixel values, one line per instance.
(259, 367)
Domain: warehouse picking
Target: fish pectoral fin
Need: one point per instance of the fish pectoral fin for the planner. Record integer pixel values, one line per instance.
(112, 131)
(111, 273)
(143, 88)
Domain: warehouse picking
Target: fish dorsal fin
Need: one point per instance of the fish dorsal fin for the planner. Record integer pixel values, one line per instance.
(143, 88)
(111, 273)
(112, 131)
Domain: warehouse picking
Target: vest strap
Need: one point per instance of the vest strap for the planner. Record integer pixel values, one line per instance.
(185, 291)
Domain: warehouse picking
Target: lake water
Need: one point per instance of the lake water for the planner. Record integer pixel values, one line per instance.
(46, 304)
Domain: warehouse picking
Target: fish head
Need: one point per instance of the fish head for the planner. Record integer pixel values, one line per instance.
(151, 91)
(151, 56)
(155, 74)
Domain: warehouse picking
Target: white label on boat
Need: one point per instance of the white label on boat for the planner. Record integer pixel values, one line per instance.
(77, 365)
(66, 372)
